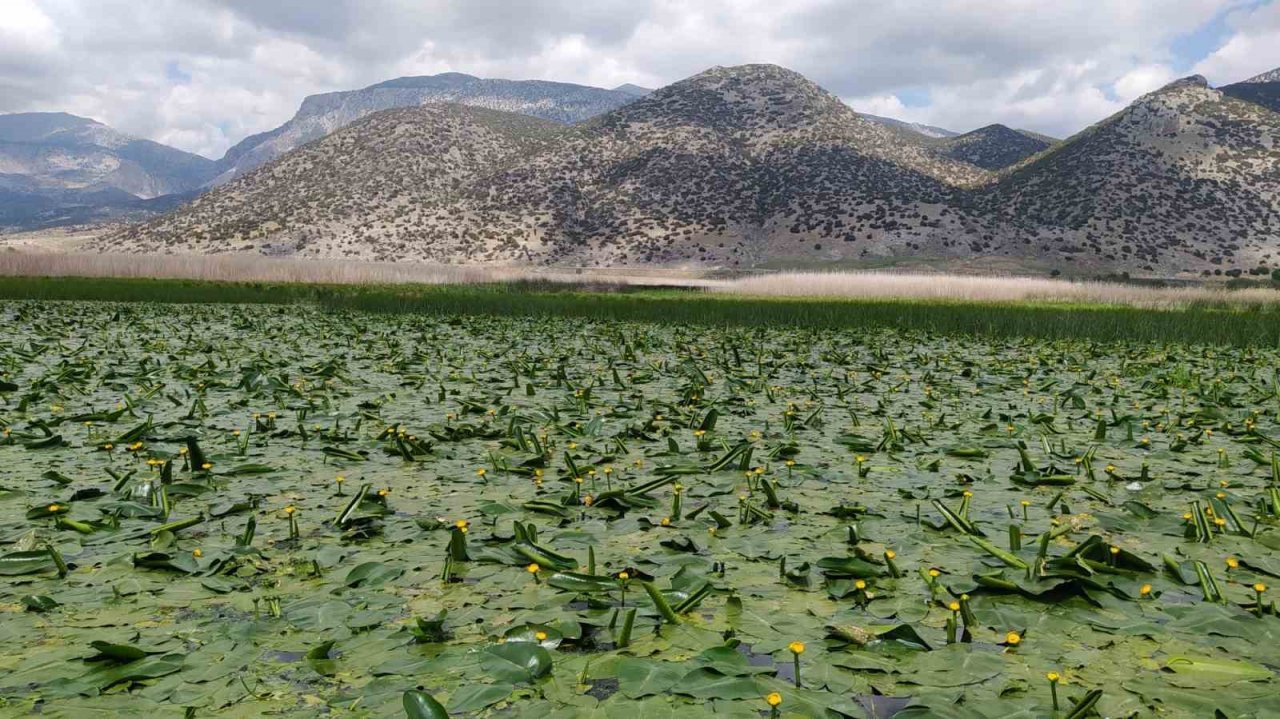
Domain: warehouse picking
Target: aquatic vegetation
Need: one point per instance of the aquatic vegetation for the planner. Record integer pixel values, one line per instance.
(232, 511)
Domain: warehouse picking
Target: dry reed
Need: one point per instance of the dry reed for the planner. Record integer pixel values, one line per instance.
(921, 286)
(252, 268)
(859, 285)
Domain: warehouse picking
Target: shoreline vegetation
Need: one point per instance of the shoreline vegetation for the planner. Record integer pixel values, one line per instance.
(948, 304)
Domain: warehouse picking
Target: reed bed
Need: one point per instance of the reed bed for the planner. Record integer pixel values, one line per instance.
(256, 268)
(921, 286)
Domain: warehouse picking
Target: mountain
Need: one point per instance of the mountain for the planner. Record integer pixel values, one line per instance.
(364, 185)
(994, 147)
(1184, 179)
(731, 166)
(320, 115)
(740, 166)
(57, 168)
(1261, 90)
(926, 130)
(633, 90)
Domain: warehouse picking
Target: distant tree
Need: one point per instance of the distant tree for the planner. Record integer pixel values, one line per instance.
(1275, 275)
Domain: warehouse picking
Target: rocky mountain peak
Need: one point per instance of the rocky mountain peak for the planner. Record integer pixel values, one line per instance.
(1268, 76)
(737, 98)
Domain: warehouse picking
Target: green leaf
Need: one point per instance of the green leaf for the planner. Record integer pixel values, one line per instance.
(956, 665)
(420, 705)
(706, 683)
(848, 567)
(30, 562)
(39, 602)
(319, 660)
(638, 678)
(371, 574)
(119, 653)
(474, 697)
(1217, 671)
(147, 668)
(516, 662)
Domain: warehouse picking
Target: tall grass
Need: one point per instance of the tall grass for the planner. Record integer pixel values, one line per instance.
(256, 268)
(993, 289)
(855, 285)
(1254, 326)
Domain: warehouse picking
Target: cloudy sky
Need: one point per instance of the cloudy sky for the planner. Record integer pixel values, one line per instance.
(202, 74)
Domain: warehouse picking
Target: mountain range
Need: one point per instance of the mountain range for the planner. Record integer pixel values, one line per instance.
(57, 168)
(736, 166)
(755, 164)
(320, 115)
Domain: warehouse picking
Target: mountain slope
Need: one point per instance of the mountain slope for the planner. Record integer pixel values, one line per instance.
(361, 185)
(730, 166)
(926, 130)
(1185, 178)
(57, 168)
(1261, 90)
(744, 165)
(994, 147)
(320, 115)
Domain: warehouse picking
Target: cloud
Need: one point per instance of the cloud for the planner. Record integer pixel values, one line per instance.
(202, 74)
(1253, 48)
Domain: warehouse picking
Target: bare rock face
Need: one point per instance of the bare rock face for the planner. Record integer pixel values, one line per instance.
(321, 115)
(55, 167)
(742, 165)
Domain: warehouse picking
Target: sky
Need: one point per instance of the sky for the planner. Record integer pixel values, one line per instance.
(202, 74)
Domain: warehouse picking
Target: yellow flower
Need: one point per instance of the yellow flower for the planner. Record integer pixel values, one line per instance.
(289, 509)
(1012, 639)
(55, 507)
(207, 466)
(1259, 587)
(533, 568)
(1233, 563)
(954, 606)
(462, 524)
(796, 647)
(934, 573)
(340, 479)
(1145, 590)
(624, 576)
(1053, 677)
(774, 699)
(383, 492)
(481, 472)
(859, 459)
(666, 521)
(890, 554)
(197, 553)
(540, 636)
(860, 584)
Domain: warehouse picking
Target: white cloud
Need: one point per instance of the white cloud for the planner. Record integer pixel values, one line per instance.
(1141, 80)
(1253, 48)
(1052, 67)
